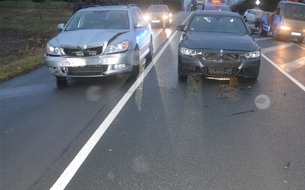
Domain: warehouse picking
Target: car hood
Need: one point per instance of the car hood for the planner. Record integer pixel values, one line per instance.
(86, 38)
(193, 40)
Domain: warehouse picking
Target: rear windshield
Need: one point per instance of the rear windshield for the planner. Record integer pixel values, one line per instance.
(157, 8)
(217, 8)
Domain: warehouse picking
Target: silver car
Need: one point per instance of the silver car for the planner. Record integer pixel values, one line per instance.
(100, 41)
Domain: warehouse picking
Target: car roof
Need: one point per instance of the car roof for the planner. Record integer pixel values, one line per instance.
(112, 7)
(291, 2)
(254, 9)
(217, 5)
(223, 13)
(158, 5)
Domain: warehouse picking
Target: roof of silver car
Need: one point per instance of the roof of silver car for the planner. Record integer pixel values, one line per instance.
(109, 7)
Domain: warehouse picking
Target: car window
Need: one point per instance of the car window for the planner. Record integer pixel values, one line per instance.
(157, 8)
(115, 19)
(218, 24)
(136, 15)
(139, 14)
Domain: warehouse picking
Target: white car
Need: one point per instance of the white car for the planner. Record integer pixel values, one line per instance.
(252, 14)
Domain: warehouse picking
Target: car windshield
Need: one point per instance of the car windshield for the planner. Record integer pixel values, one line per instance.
(217, 8)
(99, 20)
(295, 11)
(217, 24)
(157, 8)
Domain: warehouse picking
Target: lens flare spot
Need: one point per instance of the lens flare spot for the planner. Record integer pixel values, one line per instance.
(262, 101)
(93, 93)
(140, 165)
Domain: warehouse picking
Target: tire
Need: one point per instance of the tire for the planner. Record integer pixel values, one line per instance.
(245, 19)
(136, 64)
(181, 76)
(261, 31)
(149, 56)
(275, 34)
(61, 82)
(300, 40)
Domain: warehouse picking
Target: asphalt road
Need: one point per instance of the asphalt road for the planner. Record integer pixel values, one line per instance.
(157, 132)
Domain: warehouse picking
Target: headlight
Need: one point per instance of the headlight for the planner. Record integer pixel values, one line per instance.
(165, 17)
(53, 50)
(117, 48)
(285, 27)
(186, 51)
(253, 54)
(147, 17)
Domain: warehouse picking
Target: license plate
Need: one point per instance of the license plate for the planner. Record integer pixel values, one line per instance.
(155, 21)
(295, 34)
(220, 71)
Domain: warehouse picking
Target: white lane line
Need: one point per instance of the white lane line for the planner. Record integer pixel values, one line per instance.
(78, 160)
(285, 73)
(263, 39)
(300, 46)
(274, 48)
(293, 65)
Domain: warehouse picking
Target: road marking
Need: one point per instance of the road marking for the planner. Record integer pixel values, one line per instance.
(284, 72)
(263, 39)
(290, 66)
(293, 65)
(274, 48)
(81, 156)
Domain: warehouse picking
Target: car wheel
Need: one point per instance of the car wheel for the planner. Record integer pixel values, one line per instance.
(261, 31)
(169, 24)
(245, 19)
(61, 82)
(275, 34)
(136, 64)
(149, 56)
(300, 40)
(181, 76)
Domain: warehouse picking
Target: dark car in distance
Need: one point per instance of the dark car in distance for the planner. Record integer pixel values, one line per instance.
(216, 7)
(217, 44)
(159, 14)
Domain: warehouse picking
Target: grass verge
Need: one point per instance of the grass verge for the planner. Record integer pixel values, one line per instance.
(21, 21)
(21, 66)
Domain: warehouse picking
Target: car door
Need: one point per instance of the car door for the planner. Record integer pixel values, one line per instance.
(142, 33)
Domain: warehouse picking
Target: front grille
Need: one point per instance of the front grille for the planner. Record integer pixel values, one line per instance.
(220, 60)
(77, 52)
(89, 70)
(217, 56)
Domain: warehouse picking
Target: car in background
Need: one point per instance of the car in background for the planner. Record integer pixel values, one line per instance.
(100, 41)
(199, 6)
(159, 15)
(251, 15)
(217, 44)
(217, 7)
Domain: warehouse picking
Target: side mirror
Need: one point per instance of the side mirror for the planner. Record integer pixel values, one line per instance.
(251, 31)
(141, 24)
(181, 27)
(61, 26)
